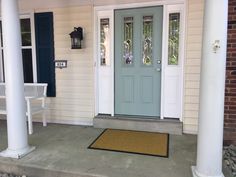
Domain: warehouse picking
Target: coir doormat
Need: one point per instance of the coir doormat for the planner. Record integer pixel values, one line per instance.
(138, 142)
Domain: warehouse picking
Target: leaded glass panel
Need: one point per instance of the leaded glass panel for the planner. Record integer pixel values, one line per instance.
(147, 40)
(128, 40)
(104, 41)
(173, 41)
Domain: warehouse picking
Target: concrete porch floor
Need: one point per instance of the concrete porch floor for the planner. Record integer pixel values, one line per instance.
(61, 150)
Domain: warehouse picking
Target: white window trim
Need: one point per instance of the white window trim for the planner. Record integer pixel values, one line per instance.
(32, 47)
(110, 9)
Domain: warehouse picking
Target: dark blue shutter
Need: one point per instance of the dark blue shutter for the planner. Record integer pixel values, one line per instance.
(45, 51)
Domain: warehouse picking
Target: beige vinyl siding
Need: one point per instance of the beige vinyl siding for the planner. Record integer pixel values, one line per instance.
(74, 101)
(75, 98)
(192, 64)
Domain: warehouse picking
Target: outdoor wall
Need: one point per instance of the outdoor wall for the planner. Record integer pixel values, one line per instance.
(75, 98)
(74, 101)
(230, 89)
(192, 64)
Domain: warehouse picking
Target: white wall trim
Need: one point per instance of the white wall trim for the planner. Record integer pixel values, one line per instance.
(33, 42)
(104, 72)
(95, 47)
(164, 33)
(185, 27)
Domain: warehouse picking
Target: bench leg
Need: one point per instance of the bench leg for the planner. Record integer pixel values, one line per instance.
(44, 119)
(30, 124)
(29, 115)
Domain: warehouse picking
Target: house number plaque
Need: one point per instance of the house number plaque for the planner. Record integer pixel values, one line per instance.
(60, 64)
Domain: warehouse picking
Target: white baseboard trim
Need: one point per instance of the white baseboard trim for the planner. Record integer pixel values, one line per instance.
(83, 121)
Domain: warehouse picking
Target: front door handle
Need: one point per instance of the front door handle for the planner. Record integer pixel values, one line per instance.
(158, 69)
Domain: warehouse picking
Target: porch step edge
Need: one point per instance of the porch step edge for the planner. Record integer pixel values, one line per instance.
(151, 125)
(32, 171)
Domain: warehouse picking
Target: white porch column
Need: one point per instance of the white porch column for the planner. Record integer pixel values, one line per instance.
(16, 110)
(212, 86)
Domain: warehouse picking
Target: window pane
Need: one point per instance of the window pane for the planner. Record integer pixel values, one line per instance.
(104, 41)
(173, 41)
(27, 65)
(25, 32)
(147, 39)
(128, 40)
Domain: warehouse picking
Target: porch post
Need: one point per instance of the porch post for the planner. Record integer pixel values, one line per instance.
(212, 86)
(15, 101)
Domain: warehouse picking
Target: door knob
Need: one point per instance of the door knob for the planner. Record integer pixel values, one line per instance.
(158, 69)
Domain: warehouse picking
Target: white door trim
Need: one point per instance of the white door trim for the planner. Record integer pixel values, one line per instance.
(173, 72)
(108, 12)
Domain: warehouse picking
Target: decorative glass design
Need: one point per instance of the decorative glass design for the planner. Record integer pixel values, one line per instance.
(173, 41)
(147, 40)
(104, 41)
(128, 40)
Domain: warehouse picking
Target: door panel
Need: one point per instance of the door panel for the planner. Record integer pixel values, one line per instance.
(147, 89)
(138, 39)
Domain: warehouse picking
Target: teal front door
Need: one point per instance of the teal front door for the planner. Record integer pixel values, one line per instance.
(138, 50)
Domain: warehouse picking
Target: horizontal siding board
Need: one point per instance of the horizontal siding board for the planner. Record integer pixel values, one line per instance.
(191, 107)
(191, 100)
(191, 121)
(192, 85)
(195, 31)
(192, 77)
(192, 114)
(193, 62)
(192, 92)
(193, 69)
(190, 128)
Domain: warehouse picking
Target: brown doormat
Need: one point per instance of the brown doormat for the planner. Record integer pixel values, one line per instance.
(138, 142)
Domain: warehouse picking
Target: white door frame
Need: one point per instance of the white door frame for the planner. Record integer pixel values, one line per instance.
(108, 12)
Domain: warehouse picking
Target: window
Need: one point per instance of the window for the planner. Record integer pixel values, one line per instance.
(147, 40)
(28, 54)
(128, 41)
(104, 41)
(173, 38)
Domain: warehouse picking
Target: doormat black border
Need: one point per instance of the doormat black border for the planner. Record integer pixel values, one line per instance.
(166, 156)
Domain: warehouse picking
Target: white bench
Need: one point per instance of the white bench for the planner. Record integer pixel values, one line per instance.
(35, 94)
